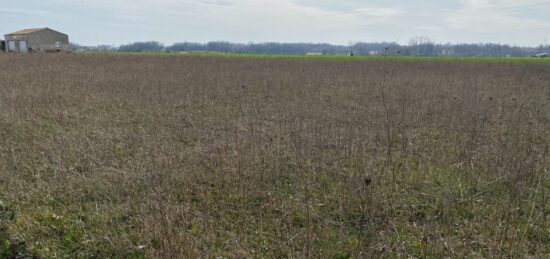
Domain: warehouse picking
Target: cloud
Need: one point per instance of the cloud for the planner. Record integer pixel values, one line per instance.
(22, 11)
(502, 4)
(491, 15)
(168, 21)
(246, 20)
(427, 28)
(379, 12)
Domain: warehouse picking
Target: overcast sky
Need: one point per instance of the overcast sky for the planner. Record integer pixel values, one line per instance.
(91, 22)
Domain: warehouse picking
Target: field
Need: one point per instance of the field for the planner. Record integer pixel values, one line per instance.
(511, 60)
(175, 156)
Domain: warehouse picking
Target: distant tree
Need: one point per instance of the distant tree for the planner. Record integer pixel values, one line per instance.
(417, 46)
(186, 46)
(75, 46)
(149, 46)
(421, 46)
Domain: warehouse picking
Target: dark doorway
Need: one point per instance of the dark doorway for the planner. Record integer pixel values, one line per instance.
(3, 46)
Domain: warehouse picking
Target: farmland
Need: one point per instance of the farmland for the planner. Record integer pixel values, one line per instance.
(167, 156)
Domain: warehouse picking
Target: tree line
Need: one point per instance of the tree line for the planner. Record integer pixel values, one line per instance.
(417, 46)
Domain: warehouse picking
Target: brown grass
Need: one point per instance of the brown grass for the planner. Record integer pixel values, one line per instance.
(171, 156)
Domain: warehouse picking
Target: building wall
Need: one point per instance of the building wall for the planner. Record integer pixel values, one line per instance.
(43, 40)
(46, 39)
(16, 39)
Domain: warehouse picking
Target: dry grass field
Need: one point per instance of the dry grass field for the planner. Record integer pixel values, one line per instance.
(149, 156)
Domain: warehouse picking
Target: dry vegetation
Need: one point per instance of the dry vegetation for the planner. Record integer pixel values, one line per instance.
(171, 156)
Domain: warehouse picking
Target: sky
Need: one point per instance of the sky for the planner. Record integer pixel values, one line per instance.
(115, 22)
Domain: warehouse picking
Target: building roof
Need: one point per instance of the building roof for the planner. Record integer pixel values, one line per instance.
(28, 31)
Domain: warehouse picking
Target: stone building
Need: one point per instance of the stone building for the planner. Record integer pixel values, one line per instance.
(36, 40)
